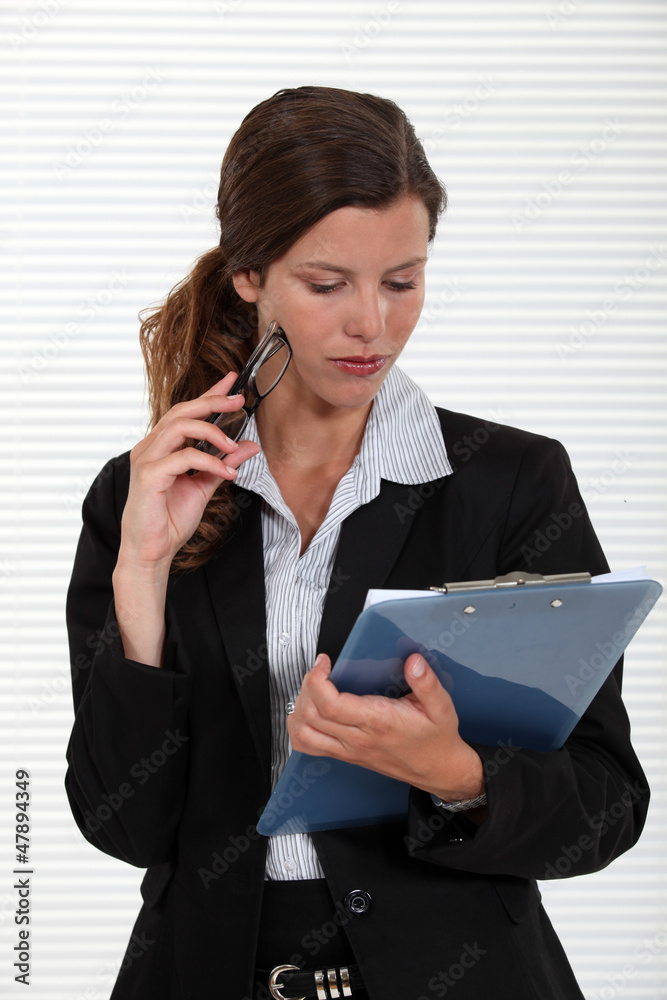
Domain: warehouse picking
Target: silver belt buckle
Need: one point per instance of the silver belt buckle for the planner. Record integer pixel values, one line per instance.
(275, 987)
(327, 989)
(332, 983)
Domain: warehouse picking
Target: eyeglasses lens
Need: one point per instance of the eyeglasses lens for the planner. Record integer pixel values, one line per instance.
(267, 372)
(233, 424)
(271, 370)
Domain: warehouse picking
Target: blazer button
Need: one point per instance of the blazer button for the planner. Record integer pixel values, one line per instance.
(358, 901)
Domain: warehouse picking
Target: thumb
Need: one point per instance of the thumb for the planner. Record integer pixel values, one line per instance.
(322, 664)
(427, 689)
(421, 678)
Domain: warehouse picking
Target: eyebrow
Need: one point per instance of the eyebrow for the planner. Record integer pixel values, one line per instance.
(326, 266)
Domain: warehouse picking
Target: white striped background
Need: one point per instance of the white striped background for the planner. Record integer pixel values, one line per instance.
(507, 97)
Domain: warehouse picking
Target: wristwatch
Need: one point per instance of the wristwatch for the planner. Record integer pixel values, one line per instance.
(454, 807)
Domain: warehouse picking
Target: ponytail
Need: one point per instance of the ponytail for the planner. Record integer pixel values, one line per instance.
(202, 331)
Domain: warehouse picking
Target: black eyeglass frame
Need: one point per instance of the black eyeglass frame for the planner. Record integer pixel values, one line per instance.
(273, 340)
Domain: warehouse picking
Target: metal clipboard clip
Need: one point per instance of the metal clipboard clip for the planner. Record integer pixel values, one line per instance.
(518, 578)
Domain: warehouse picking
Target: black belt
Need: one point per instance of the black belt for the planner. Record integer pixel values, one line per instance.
(302, 984)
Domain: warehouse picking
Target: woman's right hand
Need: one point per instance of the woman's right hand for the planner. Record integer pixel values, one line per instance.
(164, 504)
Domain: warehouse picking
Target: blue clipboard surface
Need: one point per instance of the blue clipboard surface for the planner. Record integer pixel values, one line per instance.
(522, 664)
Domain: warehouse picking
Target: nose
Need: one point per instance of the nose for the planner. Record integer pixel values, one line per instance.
(366, 319)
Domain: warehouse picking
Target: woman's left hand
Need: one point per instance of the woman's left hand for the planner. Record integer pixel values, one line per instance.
(414, 738)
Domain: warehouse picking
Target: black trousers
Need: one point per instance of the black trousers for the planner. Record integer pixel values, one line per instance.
(301, 925)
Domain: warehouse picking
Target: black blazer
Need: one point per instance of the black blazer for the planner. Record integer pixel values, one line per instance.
(169, 768)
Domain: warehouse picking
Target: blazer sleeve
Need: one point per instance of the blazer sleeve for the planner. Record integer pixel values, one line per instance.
(128, 751)
(558, 813)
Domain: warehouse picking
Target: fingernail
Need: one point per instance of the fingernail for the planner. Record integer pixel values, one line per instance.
(320, 657)
(418, 667)
(230, 444)
(234, 472)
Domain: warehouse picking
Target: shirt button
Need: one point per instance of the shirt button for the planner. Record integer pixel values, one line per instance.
(284, 639)
(289, 866)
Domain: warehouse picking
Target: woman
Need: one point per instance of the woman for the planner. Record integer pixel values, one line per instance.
(206, 598)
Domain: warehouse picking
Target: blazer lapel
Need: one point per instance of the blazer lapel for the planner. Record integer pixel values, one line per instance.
(235, 577)
(370, 542)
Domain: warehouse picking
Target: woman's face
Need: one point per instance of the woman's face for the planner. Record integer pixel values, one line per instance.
(348, 295)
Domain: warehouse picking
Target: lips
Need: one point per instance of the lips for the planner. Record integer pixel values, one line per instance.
(360, 365)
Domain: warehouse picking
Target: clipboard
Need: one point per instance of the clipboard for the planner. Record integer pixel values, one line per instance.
(522, 657)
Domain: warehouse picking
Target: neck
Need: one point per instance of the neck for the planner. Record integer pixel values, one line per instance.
(304, 437)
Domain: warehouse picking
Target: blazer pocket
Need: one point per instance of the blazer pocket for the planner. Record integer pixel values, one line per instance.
(156, 882)
(519, 896)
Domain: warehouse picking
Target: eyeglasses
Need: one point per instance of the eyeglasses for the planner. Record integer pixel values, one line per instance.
(265, 368)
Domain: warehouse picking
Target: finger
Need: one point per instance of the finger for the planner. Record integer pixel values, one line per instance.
(175, 434)
(203, 406)
(426, 689)
(318, 744)
(317, 693)
(163, 471)
(224, 383)
(209, 482)
(244, 451)
(196, 409)
(317, 689)
(321, 708)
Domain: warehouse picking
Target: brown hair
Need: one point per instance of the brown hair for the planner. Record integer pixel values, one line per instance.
(296, 157)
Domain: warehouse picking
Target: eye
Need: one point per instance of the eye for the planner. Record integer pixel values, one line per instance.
(323, 289)
(402, 286)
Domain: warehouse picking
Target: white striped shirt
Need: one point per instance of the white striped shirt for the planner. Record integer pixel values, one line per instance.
(402, 443)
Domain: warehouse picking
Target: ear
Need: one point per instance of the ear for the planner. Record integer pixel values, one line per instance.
(247, 285)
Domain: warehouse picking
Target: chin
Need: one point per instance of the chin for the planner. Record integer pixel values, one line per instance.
(362, 395)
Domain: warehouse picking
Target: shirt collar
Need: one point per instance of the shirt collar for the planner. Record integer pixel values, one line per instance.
(403, 439)
(402, 443)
